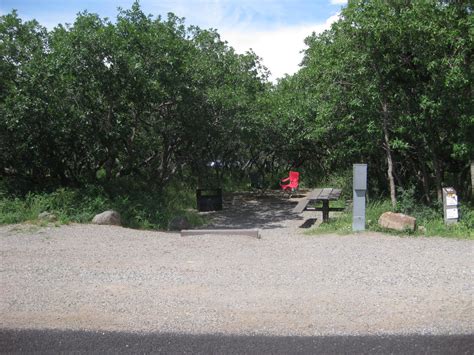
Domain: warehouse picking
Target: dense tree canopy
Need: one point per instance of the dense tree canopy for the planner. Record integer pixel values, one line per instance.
(392, 85)
(389, 84)
(140, 96)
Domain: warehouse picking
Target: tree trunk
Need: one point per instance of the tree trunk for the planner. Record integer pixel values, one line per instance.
(472, 180)
(418, 164)
(438, 176)
(388, 150)
(426, 182)
(432, 142)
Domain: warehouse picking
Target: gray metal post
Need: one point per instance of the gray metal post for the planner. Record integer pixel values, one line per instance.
(359, 191)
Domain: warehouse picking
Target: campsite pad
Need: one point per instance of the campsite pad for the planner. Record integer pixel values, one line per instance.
(250, 210)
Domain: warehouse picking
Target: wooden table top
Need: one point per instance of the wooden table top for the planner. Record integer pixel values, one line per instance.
(324, 194)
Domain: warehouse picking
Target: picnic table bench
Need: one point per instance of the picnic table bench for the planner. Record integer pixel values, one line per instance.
(324, 195)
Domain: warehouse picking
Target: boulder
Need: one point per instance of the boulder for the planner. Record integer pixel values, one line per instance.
(397, 221)
(108, 218)
(47, 216)
(179, 223)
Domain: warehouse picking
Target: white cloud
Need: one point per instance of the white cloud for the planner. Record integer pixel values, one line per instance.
(338, 2)
(246, 24)
(214, 13)
(280, 49)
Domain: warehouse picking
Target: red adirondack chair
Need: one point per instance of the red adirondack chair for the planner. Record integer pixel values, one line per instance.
(292, 185)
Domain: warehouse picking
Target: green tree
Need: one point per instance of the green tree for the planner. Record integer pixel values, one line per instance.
(23, 120)
(144, 97)
(394, 77)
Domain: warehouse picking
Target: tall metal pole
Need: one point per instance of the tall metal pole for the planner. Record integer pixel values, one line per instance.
(359, 191)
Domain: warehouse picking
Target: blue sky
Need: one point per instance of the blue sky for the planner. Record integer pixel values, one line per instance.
(274, 29)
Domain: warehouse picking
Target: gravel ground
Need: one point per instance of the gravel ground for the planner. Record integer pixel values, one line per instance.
(287, 283)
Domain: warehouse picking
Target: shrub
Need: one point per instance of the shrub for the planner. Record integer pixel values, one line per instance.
(139, 208)
(429, 217)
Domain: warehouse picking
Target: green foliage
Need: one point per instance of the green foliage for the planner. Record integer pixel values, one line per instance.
(430, 218)
(68, 205)
(390, 83)
(142, 209)
(96, 101)
(406, 200)
(141, 102)
(408, 204)
(341, 180)
(463, 229)
(15, 211)
(341, 225)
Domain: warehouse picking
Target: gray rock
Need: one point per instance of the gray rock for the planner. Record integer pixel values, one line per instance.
(108, 218)
(179, 223)
(397, 221)
(47, 216)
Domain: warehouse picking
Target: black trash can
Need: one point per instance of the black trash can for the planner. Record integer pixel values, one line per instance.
(209, 199)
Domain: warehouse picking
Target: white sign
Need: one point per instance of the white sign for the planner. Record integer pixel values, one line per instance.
(452, 213)
(451, 199)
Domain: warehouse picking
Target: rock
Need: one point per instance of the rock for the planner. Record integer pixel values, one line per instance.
(422, 229)
(179, 223)
(397, 221)
(108, 218)
(47, 216)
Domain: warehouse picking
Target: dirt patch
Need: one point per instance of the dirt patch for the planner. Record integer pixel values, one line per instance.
(273, 210)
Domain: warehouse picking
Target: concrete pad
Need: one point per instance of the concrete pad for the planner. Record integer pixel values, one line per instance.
(248, 232)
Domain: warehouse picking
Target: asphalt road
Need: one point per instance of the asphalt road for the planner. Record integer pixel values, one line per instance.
(54, 341)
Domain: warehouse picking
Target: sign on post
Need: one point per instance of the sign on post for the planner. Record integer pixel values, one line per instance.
(359, 191)
(450, 205)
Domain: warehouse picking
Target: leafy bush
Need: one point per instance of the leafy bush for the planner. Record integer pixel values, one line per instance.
(139, 209)
(406, 202)
(339, 180)
(68, 204)
(13, 210)
(429, 217)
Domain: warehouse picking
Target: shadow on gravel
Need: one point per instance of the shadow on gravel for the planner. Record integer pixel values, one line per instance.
(309, 223)
(246, 210)
(53, 341)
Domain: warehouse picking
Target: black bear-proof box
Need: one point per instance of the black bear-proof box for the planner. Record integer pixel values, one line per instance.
(209, 199)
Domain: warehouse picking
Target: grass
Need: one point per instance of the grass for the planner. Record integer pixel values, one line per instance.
(139, 209)
(144, 209)
(430, 218)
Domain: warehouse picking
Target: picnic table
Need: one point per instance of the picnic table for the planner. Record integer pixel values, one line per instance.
(324, 195)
